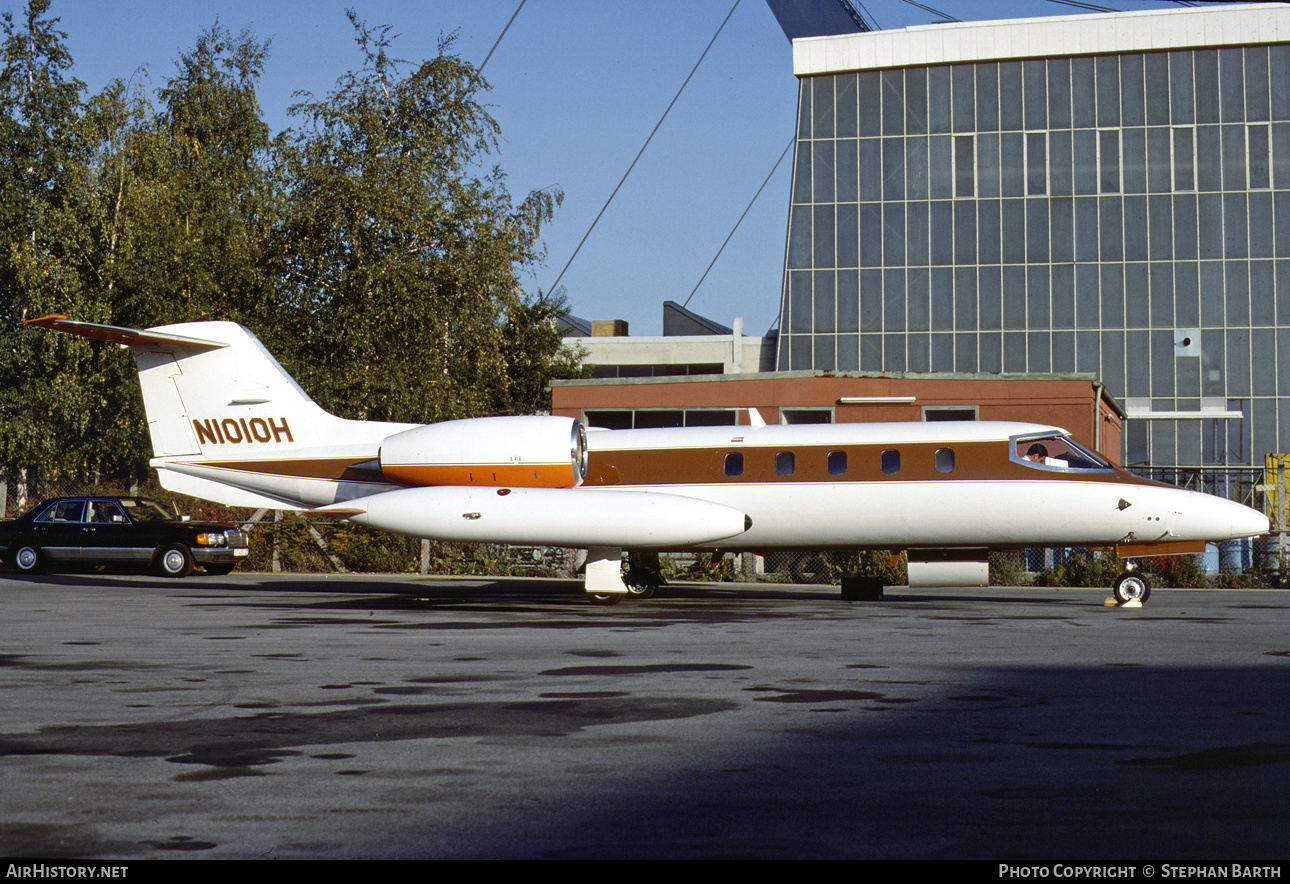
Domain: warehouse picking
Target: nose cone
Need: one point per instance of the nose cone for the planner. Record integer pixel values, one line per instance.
(1248, 522)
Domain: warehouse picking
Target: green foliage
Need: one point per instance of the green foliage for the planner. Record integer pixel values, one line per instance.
(367, 250)
(1083, 568)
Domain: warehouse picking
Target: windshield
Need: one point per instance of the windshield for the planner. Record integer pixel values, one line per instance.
(1055, 451)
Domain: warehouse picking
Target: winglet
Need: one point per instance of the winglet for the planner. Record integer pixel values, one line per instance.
(126, 337)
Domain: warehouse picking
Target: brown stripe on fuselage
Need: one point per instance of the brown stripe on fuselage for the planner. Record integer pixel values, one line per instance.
(335, 469)
(973, 461)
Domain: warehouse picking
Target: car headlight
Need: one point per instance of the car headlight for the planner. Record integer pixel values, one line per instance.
(211, 539)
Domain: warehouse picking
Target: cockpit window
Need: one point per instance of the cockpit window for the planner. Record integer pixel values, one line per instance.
(1055, 451)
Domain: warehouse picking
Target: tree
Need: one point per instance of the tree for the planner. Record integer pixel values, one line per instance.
(404, 257)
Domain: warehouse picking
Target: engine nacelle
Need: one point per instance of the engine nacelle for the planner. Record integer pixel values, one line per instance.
(529, 452)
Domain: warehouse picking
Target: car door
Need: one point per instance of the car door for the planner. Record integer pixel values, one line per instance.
(110, 537)
(57, 532)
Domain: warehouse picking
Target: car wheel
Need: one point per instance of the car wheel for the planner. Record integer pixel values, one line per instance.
(27, 559)
(175, 561)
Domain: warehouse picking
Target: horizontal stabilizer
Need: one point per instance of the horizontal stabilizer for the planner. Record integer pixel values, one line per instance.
(126, 337)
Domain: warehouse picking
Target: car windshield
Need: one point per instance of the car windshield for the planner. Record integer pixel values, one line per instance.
(141, 510)
(1055, 451)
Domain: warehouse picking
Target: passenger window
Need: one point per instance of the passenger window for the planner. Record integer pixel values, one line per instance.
(785, 463)
(734, 464)
(64, 511)
(837, 463)
(891, 461)
(945, 460)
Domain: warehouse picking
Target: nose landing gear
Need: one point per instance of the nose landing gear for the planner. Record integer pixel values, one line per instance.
(1131, 586)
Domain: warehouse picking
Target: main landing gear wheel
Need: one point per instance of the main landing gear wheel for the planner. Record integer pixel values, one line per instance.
(175, 561)
(641, 583)
(1131, 586)
(27, 559)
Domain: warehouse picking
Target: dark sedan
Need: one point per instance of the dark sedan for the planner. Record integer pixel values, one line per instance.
(118, 531)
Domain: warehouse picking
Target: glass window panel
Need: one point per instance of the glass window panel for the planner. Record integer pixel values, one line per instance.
(1256, 83)
(1235, 233)
(893, 296)
(893, 102)
(1063, 351)
(916, 168)
(826, 307)
(890, 461)
(1160, 217)
(799, 237)
(893, 169)
(846, 159)
(734, 464)
(1036, 231)
(893, 353)
(988, 229)
(1111, 365)
(785, 463)
(964, 166)
(1111, 228)
(1036, 163)
(1185, 227)
(1135, 228)
(1109, 160)
(824, 246)
(965, 358)
(893, 234)
(942, 298)
(1012, 164)
(1013, 225)
(1260, 216)
(1014, 352)
(1063, 277)
(802, 173)
(870, 300)
(1037, 306)
(917, 227)
(1133, 143)
(1159, 161)
(945, 460)
(1086, 232)
(1180, 88)
(1112, 295)
(870, 169)
(1035, 84)
(1211, 296)
(1132, 97)
(990, 357)
(848, 353)
(941, 235)
(918, 316)
(1234, 158)
(870, 234)
(800, 298)
(1281, 154)
(848, 243)
(848, 300)
(964, 232)
(1087, 351)
(964, 97)
(987, 148)
(824, 358)
(940, 167)
(1137, 380)
(1262, 287)
(1011, 109)
(1184, 177)
(822, 107)
(1059, 163)
(1208, 158)
(987, 97)
(1157, 75)
(965, 298)
(804, 109)
(918, 353)
(1206, 79)
(939, 104)
(845, 119)
(869, 102)
(1278, 71)
(916, 101)
(1108, 90)
(1237, 283)
(1186, 295)
(1085, 162)
(1137, 296)
(1238, 361)
(871, 352)
(1257, 141)
(837, 463)
(1083, 94)
(1212, 377)
(1059, 93)
(1014, 298)
(1039, 351)
(1209, 225)
(1062, 232)
(1162, 295)
(1231, 86)
(822, 166)
(990, 299)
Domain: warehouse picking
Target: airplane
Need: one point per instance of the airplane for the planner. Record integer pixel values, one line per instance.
(230, 425)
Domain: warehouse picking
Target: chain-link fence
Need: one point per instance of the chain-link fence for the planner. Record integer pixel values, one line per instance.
(287, 542)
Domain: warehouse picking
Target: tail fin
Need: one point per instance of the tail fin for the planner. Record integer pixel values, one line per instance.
(215, 396)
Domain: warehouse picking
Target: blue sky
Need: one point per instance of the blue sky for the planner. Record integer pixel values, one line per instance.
(577, 85)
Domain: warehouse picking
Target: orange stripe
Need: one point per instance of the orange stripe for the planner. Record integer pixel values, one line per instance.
(514, 475)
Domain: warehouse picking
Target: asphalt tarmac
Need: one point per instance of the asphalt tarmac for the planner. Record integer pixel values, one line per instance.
(261, 716)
